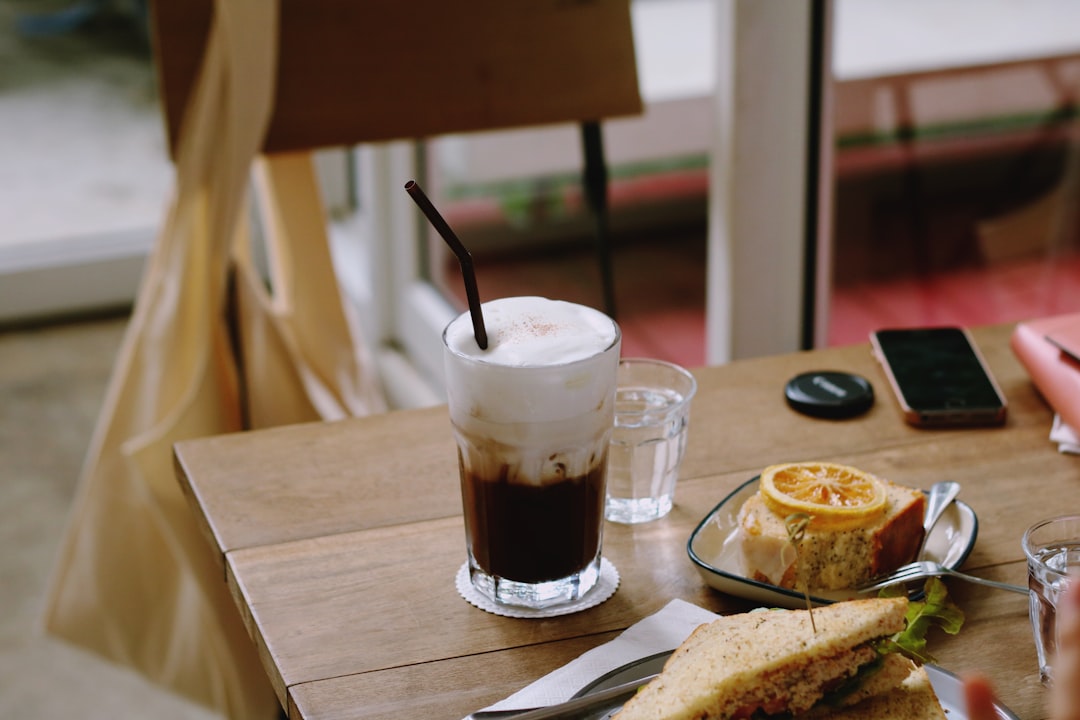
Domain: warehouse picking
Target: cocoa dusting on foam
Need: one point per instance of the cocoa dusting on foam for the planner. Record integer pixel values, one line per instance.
(534, 331)
(530, 327)
(543, 326)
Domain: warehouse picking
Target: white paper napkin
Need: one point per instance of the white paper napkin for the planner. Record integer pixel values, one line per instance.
(1065, 436)
(661, 631)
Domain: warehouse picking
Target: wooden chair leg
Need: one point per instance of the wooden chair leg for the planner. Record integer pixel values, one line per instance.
(595, 182)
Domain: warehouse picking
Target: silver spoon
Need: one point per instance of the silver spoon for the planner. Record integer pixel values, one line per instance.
(940, 496)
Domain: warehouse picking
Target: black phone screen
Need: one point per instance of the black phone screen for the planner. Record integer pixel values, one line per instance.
(937, 369)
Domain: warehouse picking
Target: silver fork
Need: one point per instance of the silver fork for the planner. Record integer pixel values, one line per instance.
(927, 568)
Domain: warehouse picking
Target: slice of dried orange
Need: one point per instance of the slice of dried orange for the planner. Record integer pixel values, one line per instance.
(833, 495)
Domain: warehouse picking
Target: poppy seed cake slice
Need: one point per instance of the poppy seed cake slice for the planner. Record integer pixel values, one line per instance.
(831, 559)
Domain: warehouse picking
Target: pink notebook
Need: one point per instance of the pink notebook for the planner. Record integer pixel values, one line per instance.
(1049, 349)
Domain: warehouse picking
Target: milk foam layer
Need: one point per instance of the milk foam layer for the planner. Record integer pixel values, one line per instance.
(544, 388)
(532, 331)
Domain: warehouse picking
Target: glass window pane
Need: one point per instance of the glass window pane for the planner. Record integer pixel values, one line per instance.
(955, 166)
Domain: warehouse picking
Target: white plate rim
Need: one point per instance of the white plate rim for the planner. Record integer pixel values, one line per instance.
(739, 585)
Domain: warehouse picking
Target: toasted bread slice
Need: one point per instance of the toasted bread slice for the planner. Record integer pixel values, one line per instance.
(913, 699)
(831, 559)
(894, 670)
(769, 659)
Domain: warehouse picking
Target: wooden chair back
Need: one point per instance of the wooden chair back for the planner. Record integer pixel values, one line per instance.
(354, 71)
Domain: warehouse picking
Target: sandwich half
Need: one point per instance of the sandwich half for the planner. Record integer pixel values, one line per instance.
(912, 699)
(774, 662)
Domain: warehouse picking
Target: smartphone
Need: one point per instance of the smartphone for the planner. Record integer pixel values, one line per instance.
(939, 377)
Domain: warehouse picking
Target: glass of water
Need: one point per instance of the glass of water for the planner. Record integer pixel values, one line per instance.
(1052, 548)
(652, 413)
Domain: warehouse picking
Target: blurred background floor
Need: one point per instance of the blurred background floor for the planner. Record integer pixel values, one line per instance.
(52, 380)
(80, 147)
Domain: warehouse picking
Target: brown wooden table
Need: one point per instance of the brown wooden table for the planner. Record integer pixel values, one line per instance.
(340, 541)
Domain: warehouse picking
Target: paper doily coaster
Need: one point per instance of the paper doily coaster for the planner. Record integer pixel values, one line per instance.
(604, 588)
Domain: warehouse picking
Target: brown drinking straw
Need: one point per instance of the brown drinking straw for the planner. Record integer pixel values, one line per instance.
(463, 256)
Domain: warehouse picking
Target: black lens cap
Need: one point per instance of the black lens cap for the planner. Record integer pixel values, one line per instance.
(829, 394)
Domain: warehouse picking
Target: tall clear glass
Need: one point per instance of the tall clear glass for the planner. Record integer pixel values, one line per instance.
(533, 416)
(1052, 548)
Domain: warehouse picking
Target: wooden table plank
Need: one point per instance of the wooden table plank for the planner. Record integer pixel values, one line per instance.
(441, 689)
(302, 481)
(455, 687)
(322, 607)
(740, 419)
(341, 540)
(385, 597)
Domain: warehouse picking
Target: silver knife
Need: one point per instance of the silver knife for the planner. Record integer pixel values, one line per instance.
(580, 708)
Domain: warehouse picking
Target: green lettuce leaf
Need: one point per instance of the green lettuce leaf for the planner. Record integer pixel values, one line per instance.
(935, 609)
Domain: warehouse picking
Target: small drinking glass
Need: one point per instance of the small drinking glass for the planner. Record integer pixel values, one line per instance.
(1052, 548)
(652, 413)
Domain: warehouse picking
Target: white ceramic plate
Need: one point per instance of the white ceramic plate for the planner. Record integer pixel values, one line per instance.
(947, 687)
(714, 550)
